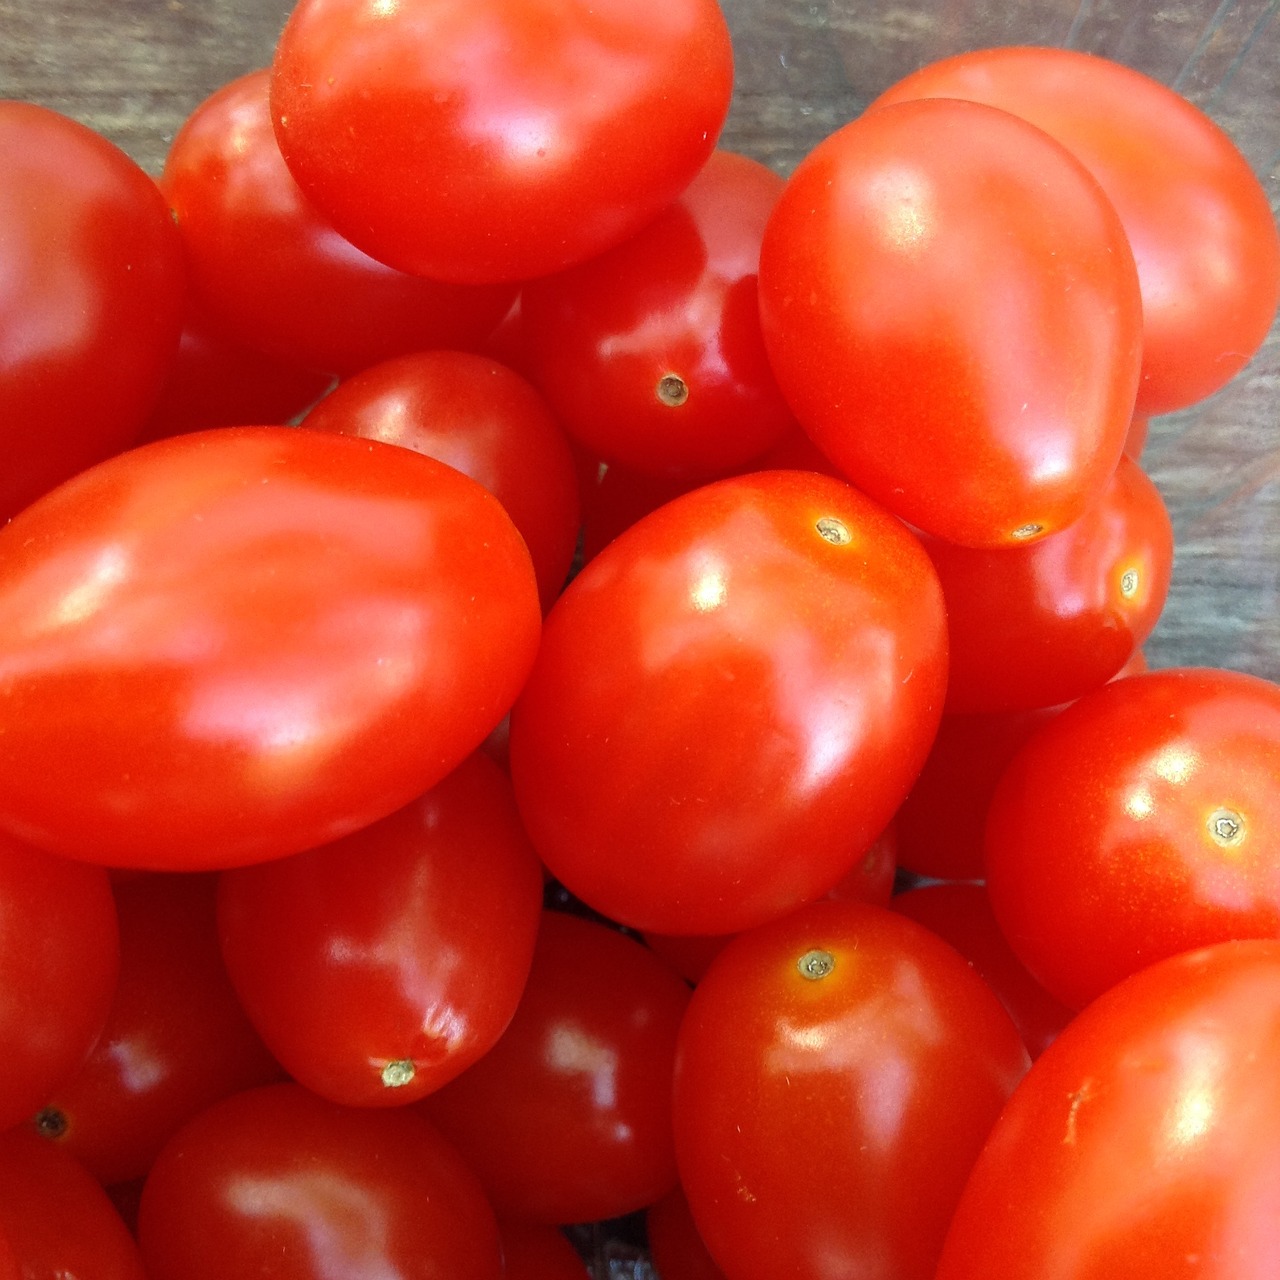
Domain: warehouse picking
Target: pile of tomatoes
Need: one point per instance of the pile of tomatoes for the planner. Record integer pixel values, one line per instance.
(300, 727)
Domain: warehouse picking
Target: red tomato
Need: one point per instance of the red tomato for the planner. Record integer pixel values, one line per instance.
(278, 1183)
(8, 1261)
(568, 1117)
(1197, 218)
(276, 275)
(91, 306)
(952, 310)
(562, 129)
(535, 1252)
(677, 1248)
(484, 420)
(176, 1040)
(379, 967)
(729, 703)
(230, 646)
(651, 353)
(59, 958)
(837, 1074)
(1145, 1143)
(1142, 821)
(1040, 625)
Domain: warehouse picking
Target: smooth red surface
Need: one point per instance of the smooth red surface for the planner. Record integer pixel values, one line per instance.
(406, 942)
(176, 1040)
(271, 269)
(92, 301)
(532, 1251)
(568, 1117)
(278, 1183)
(498, 139)
(1043, 624)
(953, 313)
(677, 1248)
(825, 1126)
(59, 958)
(727, 707)
(1197, 218)
(1106, 848)
(486, 421)
(1145, 1143)
(678, 299)
(230, 646)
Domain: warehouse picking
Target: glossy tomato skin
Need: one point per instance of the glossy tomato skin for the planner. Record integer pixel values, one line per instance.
(568, 1117)
(486, 421)
(1142, 821)
(727, 706)
(291, 1187)
(1145, 1143)
(92, 304)
(651, 353)
(59, 959)
(565, 129)
(230, 646)
(836, 1076)
(380, 966)
(952, 311)
(1197, 218)
(1040, 625)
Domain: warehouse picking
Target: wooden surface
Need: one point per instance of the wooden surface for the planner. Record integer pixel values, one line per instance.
(135, 68)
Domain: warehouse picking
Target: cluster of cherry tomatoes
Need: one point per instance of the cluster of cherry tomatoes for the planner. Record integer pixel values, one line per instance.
(295, 721)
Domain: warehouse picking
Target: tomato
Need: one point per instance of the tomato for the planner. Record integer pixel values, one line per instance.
(275, 274)
(677, 1248)
(1145, 1143)
(663, 332)
(59, 958)
(230, 646)
(379, 967)
(729, 703)
(1040, 625)
(952, 310)
(534, 1252)
(91, 306)
(568, 1117)
(1142, 821)
(1197, 218)
(176, 1039)
(836, 1076)
(278, 1183)
(486, 421)
(563, 128)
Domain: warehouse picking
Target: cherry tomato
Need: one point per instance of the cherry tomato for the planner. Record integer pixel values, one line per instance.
(91, 306)
(677, 1248)
(1197, 218)
(729, 703)
(486, 421)
(836, 1076)
(562, 129)
(1145, 1143)
(953, 312)
(1142, 821)
(278, 1183)
(568, 1117)
(535, 1252)
(379, 967)
(230, 646)
(275, 274)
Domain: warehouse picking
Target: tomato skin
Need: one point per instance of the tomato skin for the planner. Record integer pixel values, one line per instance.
(952, 310)
(240, 672)
(59, 959)
(1142, 821)
(1198, 220)
(92, 303)
(1145, 1142)
(535, 1252)
(565, 129)
(568, 1117)
(825, 1126)
(677, 1248)
(727, 707)
(408, 941)
(291, 1187)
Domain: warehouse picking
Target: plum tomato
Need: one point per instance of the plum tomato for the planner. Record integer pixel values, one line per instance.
(676, 1247)
(532, 1251)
